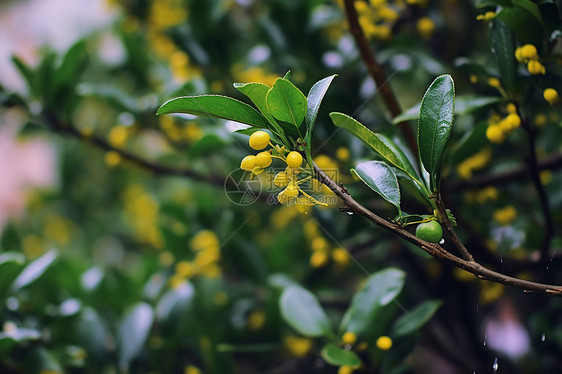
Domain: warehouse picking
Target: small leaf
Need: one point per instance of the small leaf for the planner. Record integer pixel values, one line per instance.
(133, 333)
(215, 106)
(34, 270)
(257, 92)
(286, 103)
(174, 307)
(434, 126)
(92, 334)
(27, 73)
(337, 356)
(381, 179)
(314, 100)
(416, 318)
(374, 141)
(71, 65)
(302, 311)
(380, 289)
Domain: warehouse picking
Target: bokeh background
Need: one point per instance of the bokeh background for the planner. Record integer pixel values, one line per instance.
(123, 250)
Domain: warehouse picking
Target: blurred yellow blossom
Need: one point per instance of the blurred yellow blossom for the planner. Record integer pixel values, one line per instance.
(506, 215)
(477, 161)
(297, 345)
(425, 27)
(384, 343)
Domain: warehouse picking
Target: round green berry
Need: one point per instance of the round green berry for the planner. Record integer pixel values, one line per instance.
(259, 140)
(248, 163)
(294, 159)
(263, 159)
(430, 231)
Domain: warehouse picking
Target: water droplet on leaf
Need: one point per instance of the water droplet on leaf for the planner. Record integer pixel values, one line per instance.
(495, 366)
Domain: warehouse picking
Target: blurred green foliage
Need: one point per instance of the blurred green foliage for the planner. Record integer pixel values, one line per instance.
(150, 267)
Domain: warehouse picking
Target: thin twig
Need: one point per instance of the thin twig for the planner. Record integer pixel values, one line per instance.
(377, 73)
(449, 228)
(433, 249)
(532, 165)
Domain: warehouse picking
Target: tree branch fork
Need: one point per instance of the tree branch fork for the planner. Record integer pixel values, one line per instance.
(466, 262)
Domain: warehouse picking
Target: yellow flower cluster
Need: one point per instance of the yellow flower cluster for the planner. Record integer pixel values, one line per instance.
(163, 15)
(141, 210)
(499, 128)
(298, 346)
(189, 133)
(289, 179)
(482, 196)
(477, 161)
(376, 19)
(527, 54)
(322, 251)
(505, 216)
(206, 246)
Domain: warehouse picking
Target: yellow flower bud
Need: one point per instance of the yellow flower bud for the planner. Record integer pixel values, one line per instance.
(551, 95)
(536, 67)
(384, 343)
(495, 134)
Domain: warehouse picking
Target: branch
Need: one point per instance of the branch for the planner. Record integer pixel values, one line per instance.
(377, 73)
(533, 168)
(158, 169)
(449, 228)
(434, 250)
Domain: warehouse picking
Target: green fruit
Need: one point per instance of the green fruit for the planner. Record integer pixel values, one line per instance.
(430, 231)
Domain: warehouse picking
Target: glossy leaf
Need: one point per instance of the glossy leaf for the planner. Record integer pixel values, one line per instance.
(381, 179)
(27, 73)
(380, 289)
(133, 332)
(372, 140)
(257, 92)
(314, 99)
(503, 46)
(415, 318)
(92, 333)
(286, 103)
(302, 311)
(337, 356)
(215, 106)
(34, 270)
(523, 23)
(434, 125)
(71, 65)
(174, 306)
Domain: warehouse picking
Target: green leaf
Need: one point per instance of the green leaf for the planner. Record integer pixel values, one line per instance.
(133, 333)
(464, 104)
(416, 318)
(380, 289)
(10, 265)
(215, 106)
(92, 334)
(286, 103)
(28, 74)
(257, 92)
(434, 125)
(337, 356)
(519, 20)
(375, 141)
(71, 65)
(34, 270)
(503, 46)
(470, 144)
(302, 311)
(381, 179)
(314, 100)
